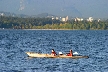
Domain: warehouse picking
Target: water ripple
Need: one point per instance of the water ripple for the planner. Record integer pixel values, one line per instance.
(14, 44)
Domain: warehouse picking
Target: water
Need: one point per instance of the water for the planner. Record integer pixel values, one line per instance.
(14, 44)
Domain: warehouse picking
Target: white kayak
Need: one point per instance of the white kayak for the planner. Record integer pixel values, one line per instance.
(41, 55)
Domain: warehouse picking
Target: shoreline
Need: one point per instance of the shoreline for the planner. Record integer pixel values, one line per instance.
(49, 29)
(39, 29)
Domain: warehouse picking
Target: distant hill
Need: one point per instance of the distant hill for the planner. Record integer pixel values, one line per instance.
(12, 14)
(42, 15)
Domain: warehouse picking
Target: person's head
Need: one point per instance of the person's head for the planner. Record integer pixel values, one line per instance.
(70, 50)
(52, 50)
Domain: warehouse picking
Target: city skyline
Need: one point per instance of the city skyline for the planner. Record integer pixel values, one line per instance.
(74, 8)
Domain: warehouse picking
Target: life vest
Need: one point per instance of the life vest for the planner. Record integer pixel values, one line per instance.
(53, 53)
(69, 54)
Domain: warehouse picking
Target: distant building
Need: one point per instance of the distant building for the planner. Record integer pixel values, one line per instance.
(1, 14)
(57, 18)
(98, 20)
(90, 19)
(64, 19)
(78, 19)
(60, 18)
(81, 19)
(67, 18)
(52, 18)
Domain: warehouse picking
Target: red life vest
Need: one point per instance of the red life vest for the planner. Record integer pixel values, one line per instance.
(53, 53)
(69, 54)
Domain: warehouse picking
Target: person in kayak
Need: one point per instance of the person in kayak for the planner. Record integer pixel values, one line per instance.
(53, 52)
(70, 53)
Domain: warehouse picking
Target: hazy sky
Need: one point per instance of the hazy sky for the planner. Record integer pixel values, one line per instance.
(75, 8)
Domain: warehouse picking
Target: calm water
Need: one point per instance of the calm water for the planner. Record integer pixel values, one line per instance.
(14, 44)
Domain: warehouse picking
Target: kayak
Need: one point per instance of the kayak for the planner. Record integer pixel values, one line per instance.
(41, 55)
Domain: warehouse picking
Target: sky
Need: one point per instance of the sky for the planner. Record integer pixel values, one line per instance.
(74, 8)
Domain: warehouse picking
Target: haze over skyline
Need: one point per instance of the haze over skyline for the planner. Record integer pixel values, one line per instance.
(74, 8)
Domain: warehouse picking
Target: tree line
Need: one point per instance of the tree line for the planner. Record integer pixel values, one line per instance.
(48, 23)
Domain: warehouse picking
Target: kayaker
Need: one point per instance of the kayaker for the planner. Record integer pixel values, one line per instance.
(70, 53)
(53, 52)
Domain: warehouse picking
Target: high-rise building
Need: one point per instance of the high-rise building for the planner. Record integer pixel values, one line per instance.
(66, 18)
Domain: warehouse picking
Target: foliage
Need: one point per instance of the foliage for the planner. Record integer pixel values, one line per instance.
(48, 23)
